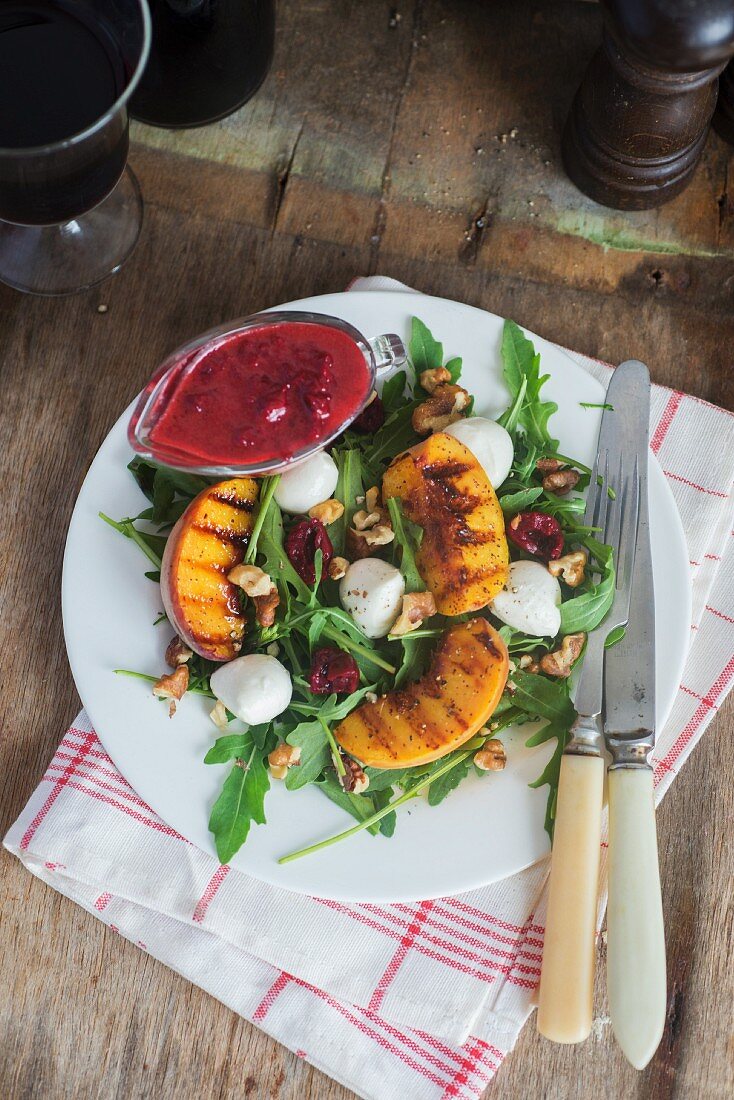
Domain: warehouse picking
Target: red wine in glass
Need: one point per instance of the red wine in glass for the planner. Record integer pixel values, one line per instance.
(60, 71)
(207, 58)
(70, 210)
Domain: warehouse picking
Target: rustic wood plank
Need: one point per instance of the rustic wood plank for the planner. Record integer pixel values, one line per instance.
(361, 153)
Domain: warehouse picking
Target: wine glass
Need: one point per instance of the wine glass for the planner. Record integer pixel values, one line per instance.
(70, 209)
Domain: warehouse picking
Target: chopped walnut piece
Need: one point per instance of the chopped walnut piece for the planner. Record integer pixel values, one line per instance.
(444, 407)
(251, 579)
(417, 606)
(549, 465)
(357, 546)
(528, 663)
(219, 715)
(285, 756)
(178, 653)
(362, 520)
(172, 686)
(492, 757)
(570, 567)
(337, 568)
(559, 662)
(329, 511)
(265, 606)
(371, 499)
(273, 649)
(380, 535)
(431, 379)
(354, 781)
(561, 481)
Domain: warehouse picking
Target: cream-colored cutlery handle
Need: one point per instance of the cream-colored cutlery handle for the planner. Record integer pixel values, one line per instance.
(567, 974)
(635, 935)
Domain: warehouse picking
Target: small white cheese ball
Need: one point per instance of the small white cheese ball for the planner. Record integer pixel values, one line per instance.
(307, 484)
(255, 687)
(490, 444)
(372, 591)
(530, 600)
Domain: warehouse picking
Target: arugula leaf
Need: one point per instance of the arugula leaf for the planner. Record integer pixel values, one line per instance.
(360, 806)
(596, 405)
(615, 636)
(511, 503)
(393, 392)
(521, 363)
(408, 538)
(416, 655)
(349, 486)
(234, 745)
(276, 561)
(453, 366)
(586, 611)
(242, 801)
(379, 800)
(551, 773)
(540, 697)
(449, 781)
(425, 352)
(396, 435)
(383, 779)
(311, 738)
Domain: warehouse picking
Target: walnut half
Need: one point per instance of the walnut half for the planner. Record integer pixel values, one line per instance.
(416, 607)
(354, 781)
(570, 567)
(442, 408)
(172, 686)
(491, 758)
(560, 662)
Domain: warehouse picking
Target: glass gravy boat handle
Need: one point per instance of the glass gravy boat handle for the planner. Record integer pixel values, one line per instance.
(388, 351)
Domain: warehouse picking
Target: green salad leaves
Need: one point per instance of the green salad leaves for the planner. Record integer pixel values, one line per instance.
(309, 617)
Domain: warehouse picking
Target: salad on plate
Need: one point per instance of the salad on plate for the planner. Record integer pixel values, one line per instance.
(371, 620)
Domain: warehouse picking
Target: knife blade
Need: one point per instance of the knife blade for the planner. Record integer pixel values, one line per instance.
(629, 670)
(636, 965)
(567, 974)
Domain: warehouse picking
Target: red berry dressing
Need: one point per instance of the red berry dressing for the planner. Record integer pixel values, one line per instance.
(262, 394)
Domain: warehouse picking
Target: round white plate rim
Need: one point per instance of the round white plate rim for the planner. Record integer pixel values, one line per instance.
(314, 882)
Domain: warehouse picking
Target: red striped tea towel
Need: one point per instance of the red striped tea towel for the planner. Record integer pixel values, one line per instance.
(398, 1002)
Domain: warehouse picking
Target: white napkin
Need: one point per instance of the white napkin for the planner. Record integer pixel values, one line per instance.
(395, 1001)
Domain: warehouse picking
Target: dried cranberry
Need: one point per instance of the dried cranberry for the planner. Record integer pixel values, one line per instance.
(301, 544)
(537, 534)
(371, 418)
(333, 670)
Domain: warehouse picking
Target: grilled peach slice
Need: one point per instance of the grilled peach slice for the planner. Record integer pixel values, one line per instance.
(463, 558)
(429, 718)
(209, 539)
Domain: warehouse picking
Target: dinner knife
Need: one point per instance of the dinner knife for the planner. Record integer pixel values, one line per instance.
(635, 935)
(567, 972)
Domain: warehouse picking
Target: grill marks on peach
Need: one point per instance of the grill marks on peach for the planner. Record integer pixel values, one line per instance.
(211, 538)
(463, 557)
(429, 718)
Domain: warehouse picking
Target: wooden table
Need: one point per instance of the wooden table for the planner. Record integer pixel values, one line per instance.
(418, 140)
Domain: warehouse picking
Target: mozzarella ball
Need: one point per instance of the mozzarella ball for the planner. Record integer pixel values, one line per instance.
(254, 687)
(307, 484)
(530, 600)
(490, 444)
(372, 591)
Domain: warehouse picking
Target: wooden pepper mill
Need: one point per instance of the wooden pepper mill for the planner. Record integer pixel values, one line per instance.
(724, 117)
(640, 118)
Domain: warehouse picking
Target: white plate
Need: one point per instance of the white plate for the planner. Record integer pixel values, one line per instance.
(488, 828)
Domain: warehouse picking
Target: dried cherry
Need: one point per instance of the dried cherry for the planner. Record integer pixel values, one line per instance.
(301, 544)
(371, 418)
(537, 534)
(333, 670)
